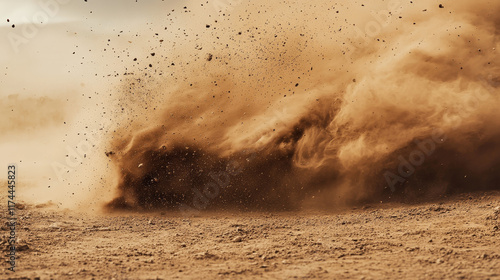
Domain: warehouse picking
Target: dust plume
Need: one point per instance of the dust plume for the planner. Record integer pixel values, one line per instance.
(279, 105)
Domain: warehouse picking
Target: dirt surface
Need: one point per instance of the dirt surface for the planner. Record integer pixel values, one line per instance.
(457, 238)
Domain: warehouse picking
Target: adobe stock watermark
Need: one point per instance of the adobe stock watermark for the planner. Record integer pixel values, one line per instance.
(211, 190)
(225, 5)
(425, 148)
(48, 9)
(416, 158)
(221, 179)
(374, 27)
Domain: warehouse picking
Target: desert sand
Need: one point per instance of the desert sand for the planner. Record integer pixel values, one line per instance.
(454, 238)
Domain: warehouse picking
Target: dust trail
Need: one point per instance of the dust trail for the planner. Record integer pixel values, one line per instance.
(320, 103)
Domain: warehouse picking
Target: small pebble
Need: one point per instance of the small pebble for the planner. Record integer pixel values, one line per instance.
(237, 239)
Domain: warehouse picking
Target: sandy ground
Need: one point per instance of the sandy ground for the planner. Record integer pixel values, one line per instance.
(458, 238)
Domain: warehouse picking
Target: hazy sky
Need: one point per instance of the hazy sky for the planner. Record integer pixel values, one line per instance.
(40, 47)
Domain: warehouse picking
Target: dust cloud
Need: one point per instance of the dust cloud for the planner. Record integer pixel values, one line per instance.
(283, 105)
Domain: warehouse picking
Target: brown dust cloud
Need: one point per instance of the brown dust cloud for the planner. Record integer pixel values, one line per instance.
(266, 105)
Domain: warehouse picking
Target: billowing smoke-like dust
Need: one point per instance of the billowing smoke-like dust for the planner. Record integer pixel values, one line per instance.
(281, 105)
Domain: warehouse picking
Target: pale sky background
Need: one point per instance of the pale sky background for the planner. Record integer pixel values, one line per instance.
(46, 57)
